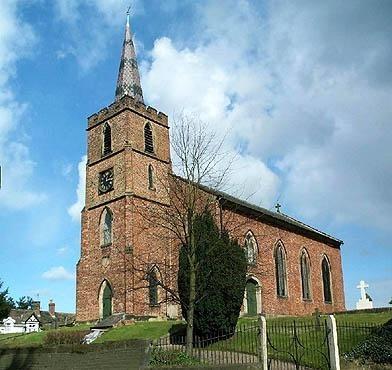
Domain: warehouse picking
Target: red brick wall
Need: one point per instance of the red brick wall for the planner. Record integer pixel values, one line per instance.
(267, 237)
(139, 242)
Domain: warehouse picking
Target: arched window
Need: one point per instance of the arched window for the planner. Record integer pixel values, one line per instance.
(251, 248)
(326, 271)
(150, 177)
(280, 271)
(153, 287)
(305, 275)
(106, 227)
(148, 140)
(107, 139)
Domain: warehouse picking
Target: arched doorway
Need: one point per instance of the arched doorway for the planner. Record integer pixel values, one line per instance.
(252, 297)
(106, 300)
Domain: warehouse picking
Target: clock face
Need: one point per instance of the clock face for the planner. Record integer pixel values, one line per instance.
(106, 181)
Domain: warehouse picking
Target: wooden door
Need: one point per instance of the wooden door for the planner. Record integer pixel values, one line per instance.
(251, 298)
(107, 302)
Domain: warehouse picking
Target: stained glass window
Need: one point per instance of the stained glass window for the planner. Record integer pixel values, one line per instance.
(305, 275)
(326, 271)
(280, 270)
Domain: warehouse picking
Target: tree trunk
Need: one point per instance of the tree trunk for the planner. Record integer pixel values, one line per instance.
(191, 309)
(192, 285)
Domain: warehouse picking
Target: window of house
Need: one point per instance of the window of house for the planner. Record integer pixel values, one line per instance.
(305, 275)
(251, 248)
(106, 227)
(107, 139)
(148, 139)
(326, 272)
(280, 271)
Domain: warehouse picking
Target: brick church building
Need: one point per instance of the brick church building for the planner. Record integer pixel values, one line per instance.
(293, 268)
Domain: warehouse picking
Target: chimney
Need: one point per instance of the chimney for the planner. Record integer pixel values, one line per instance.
(36, 305)
(52, 308)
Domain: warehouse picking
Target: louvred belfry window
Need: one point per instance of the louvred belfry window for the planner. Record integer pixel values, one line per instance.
(148, 139)
(107, 139)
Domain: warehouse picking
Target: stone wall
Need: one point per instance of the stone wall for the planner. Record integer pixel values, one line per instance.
(124, 356)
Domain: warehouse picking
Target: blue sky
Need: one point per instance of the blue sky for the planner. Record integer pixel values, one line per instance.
(303, 89)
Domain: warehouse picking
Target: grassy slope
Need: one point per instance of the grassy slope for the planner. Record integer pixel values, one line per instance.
(140, 330)
(156, 329)
(32, 339)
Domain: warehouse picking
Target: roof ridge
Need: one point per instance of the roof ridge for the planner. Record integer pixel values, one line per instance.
(275, 215)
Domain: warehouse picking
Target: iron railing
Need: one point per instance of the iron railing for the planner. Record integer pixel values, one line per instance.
(237, 346)
(350, 334)
(298, 345)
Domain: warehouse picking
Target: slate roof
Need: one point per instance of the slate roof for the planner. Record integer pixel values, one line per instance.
(271, 217)
(110, 321)
(128, 82)
(20, 317)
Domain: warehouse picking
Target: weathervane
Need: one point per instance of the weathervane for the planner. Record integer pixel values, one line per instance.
(128, 12)
(278, 206)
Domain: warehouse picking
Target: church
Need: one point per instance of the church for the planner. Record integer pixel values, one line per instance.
(293, 268)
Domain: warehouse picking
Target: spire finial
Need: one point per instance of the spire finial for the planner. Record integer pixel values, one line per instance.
(128, 13)
(128, 82)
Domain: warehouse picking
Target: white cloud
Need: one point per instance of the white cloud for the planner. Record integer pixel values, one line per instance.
(75, 209)
(58, 273)
(310, 107)
(91, 24)
(17, 165)
(225, 95)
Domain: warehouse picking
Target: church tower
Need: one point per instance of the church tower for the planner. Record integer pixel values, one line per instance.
(127, 152)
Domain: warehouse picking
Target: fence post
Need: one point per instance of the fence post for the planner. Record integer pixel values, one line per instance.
(263, 342)
(333, 343)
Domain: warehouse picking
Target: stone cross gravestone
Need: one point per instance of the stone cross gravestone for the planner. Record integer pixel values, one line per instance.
(364, 303)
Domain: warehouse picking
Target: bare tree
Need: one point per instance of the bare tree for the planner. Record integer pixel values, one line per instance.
(201, 167)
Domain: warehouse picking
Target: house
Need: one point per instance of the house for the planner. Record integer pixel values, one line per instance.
(33, 320)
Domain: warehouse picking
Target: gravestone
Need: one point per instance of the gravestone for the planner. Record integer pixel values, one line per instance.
(364, 303)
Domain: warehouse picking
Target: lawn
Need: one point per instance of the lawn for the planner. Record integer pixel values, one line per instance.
(139, 330)
(310, 346)
(17, 340)
(352, 329)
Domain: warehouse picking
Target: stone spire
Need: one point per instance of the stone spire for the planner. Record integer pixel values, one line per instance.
(128, 82)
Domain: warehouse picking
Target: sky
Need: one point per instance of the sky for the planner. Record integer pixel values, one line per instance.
(303, 90)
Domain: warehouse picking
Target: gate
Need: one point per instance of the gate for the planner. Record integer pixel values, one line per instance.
(298, 345)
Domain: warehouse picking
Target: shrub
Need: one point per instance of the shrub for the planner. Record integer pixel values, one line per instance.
(377, 348)
(220, 278)
(57, 337)
(160, 357)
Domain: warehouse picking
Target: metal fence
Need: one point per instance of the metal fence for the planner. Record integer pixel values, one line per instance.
(237, 346)
(278, 344)
(352, 334)
(298, 345)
